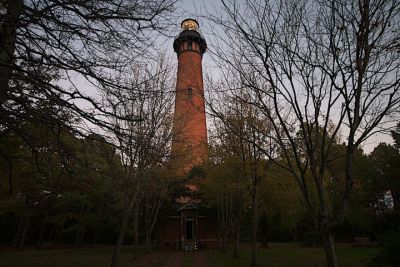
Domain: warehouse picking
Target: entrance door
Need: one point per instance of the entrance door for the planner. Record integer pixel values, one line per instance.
(189, 229)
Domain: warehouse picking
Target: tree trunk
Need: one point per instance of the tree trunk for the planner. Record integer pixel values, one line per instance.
(18, 233)
(219, 236)
(148, 240)
(122, 230)
(136, 227)
(77, 236)
(82, 235)
(150, 224)
(254, 229)
(24, 231)
(53, 233)
(237, 223)
(330, 252)
(40, 237)
(293, 234)
(7, 44)
(223, 222)
(395, 197)
(237, 239)
(224, 239)
(59, 232)
(120, 240)
(95, 238)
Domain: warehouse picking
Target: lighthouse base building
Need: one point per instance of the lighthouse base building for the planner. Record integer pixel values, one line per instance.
(190, 229)
(190, 225)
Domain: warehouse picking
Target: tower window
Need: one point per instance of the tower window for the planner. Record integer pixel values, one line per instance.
(189, 94)
(189, 45)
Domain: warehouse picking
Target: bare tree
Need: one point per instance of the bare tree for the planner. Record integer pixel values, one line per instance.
(219, 174)
(241, 133)
(67, 52)
(142, 144)
(316, 70)
(154, 193)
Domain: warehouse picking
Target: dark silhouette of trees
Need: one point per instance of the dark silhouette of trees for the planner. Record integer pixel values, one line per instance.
(396, 136)
(58, 183)
(385, 175)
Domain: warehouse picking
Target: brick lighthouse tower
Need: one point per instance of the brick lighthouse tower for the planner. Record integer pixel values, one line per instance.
(189, 145)
(190, 229)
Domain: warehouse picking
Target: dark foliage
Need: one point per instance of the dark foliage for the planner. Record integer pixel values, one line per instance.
(389, 252)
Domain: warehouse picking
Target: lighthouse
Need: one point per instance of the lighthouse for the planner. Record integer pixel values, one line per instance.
(189, 228)
(189, 144)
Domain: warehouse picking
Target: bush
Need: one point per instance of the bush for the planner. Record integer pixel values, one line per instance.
(389, 252)
(311, 238)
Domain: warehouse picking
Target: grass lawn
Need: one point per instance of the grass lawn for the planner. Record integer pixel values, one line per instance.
(293, 255)
(94, 256)
(277, 255)
(187, 260)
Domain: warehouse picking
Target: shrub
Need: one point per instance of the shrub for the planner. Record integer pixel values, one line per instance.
(389, 252)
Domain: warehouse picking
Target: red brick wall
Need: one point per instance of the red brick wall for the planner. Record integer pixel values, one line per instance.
(171, 229)
(190, 130)
(207, 228)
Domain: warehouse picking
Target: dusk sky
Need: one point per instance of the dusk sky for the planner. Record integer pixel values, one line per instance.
(198, 9)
